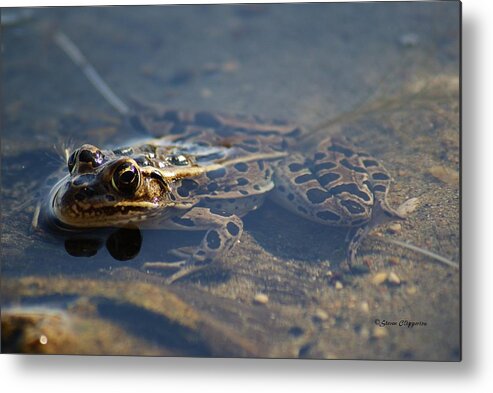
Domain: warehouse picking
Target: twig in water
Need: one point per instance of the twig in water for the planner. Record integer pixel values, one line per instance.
(420, 250)
(71, 50)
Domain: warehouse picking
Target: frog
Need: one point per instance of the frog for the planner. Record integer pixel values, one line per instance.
(204, 171)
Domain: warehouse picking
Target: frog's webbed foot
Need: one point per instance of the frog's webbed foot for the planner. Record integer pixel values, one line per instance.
(384, 214)
(353, 240)
(408, 207)
(185, 268)
(223, 231)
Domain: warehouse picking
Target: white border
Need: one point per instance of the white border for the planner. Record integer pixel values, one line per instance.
(126, 374)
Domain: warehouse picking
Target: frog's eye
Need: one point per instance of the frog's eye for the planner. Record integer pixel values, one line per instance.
(72, 160)
(93, 158)
(178, 159)
(126, 178)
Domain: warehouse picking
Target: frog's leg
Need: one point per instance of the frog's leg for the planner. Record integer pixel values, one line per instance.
(322, 189)
(331, 187)
(223, 231)
(380, 180)
(324, 193)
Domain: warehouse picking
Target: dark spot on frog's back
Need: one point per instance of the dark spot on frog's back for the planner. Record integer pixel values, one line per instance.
(327, 215)
(213, 240)
(303, 178)
(328, 178)
(211, 187)
(370, 163)
(341, 149)
(350, 188)
(380, 176)
(186, 222)
(316, 195)
(241, 167)
(355, 168)
(295, 167)
(232, 228)
(220, 212)
(353, 207)
(217, 173)
(324, 165)
(187, 185)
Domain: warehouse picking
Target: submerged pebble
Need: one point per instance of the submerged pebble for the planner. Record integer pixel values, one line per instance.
(379, 332)
(394, 228)
(444, 174)
(379, 278)
(261, 298)
(320, 315)
(393, 279)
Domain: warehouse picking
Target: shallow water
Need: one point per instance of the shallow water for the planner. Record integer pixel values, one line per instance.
(392, 67)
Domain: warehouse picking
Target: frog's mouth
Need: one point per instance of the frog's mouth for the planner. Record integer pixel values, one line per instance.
(100, 211)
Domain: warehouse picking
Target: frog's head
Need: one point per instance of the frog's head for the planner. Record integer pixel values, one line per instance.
(106, 190)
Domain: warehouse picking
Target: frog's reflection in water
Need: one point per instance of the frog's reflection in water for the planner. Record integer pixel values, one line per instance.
(123, 244)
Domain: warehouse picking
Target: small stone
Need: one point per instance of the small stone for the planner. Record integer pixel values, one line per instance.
(364, 307)
(412, 290)
(338, 285)
(394, 228)
(393, 279)
(408, 207)
(364, 332)
(321, 315)
(261, 298)
(394, 261)
(379, 278)
(379, 332)
(444, 174)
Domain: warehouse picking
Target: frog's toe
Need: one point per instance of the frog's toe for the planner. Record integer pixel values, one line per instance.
(183, 273)
(164, 265)
(353, 240)
(408, 207)
(183, 252)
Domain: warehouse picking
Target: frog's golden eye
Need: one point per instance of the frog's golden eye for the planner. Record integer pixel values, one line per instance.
(126, 178)
(72, 160)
